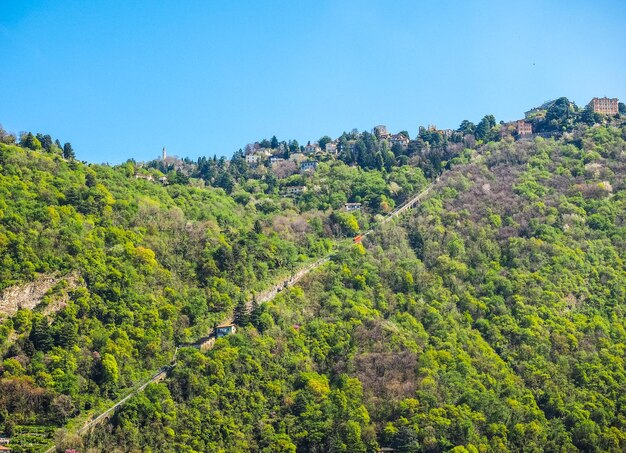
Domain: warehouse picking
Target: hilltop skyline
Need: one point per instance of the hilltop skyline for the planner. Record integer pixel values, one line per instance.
(122, 82)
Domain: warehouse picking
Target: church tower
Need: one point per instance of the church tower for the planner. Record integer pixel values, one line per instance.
(164, 153)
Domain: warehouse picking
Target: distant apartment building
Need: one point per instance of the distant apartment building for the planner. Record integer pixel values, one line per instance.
(605, 106)
(380, 131)
(524, 128)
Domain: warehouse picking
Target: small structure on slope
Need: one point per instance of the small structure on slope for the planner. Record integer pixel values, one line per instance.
(224, 330)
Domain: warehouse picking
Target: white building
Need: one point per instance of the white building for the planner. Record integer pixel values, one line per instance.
(399, 139)
(309, 165)
(312, 148)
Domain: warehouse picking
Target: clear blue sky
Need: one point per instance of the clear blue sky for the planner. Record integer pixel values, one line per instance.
(121, 79)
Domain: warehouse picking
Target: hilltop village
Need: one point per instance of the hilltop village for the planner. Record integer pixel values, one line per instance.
(379, 148)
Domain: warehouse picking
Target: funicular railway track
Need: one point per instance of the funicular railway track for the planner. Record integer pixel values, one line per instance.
(264, 297)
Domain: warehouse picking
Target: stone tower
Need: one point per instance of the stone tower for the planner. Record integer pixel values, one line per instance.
(164, 153)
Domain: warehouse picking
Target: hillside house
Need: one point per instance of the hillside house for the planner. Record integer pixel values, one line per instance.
(605, 105)
(312, 148)
(399, 139)
(331, 148)
(524, 128)
(291, 191)
(309, 165)
(5, 440)
(381, 131)
(352, 206)
(138, 176)
(275, 160)
(224, 330)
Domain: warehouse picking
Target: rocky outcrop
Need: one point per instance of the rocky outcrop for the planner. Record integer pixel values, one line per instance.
(53, 288)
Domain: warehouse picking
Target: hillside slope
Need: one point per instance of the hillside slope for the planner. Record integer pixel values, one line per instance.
(490, 319)
(103, 274)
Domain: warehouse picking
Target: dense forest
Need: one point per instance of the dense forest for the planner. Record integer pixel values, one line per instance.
(489, 318)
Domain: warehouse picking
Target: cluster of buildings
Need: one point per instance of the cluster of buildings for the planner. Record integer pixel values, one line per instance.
(603, 106)
(382, 133)
(151, 178)
(306, 160)
(178, 165)
(309, 156)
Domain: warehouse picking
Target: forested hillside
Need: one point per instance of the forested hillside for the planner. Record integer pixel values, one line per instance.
(489, 318)
(156, 267)
(103, 273)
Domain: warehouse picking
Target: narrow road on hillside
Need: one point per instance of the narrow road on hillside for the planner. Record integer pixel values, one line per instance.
(261, 298)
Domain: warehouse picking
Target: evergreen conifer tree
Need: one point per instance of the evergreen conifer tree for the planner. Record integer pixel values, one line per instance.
(240, 316)
(255, 313)
(68, 151)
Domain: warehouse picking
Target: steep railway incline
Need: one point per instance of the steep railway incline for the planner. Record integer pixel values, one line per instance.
(207, 341)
